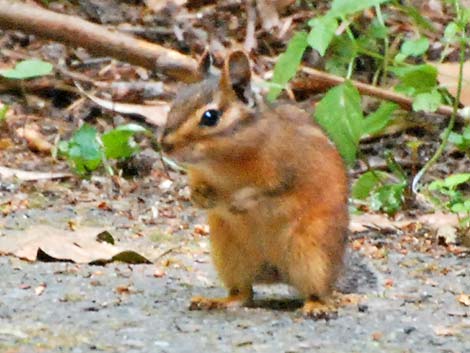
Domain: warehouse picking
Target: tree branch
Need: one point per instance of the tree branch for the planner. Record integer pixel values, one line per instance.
(97, 39)
(326, 80)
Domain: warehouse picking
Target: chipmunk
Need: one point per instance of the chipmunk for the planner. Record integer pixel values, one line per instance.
(274, 187)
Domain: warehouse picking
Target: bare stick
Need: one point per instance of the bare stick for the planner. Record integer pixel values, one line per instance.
(323, 79)
(97, 39)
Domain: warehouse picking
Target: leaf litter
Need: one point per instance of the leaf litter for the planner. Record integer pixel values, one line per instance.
(83, 245)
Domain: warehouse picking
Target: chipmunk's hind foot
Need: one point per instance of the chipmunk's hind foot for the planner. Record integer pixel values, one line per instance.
(317, 309)
(235, 299)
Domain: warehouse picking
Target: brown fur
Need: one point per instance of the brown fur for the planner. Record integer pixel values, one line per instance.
(274, 187)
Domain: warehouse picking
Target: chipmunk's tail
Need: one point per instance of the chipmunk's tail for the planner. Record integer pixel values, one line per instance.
(359, 274)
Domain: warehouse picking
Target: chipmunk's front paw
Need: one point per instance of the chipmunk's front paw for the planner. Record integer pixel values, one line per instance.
(203, 196)
(244, 199)
(318, 310)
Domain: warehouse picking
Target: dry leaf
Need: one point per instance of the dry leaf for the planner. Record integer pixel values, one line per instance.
(158, 273)
(268, 15)
(377, 336)
(40, 289)
(446, 234)
(45, 243)
(35, 139)
(448, 77)
(154, 114)
(446, 331)
(361, 223)
(6, 143)
(124, 289)
(464, 299)
(158, 5)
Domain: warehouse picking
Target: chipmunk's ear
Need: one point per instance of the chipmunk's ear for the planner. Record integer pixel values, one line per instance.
(236, 75)
(205, 63)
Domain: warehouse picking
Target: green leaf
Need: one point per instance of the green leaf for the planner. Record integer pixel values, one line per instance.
(287, 64)
(379, 119)
(462, 206)
(83, 150)
(342, 8)
(340, 114)
(388, 198)
(118, 143)
(456, 139)
(427, 102)
(462, 141)
(415, 47)
(436, 185)
(455, 180)
(366, 183)
(466, 133)
(28, 69)
(451, 33)
(134, 128)
(416, 79)
(322, 33)
(340, 52)
(377, 30)
(3, 112)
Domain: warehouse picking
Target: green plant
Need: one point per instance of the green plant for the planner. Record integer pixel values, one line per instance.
(350, 124)
(87, 149)
(384, 191)
(461, 141)
(3, 112)
(27, 69)
(456, 32)
(342, 40)
(448, 192)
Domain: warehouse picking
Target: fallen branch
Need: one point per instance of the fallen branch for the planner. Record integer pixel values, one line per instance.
(23, 175)
(326, 80)
(97, 39)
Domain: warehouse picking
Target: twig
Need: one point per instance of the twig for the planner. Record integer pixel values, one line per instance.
(250, 38)
(97, 39)
(323, 79)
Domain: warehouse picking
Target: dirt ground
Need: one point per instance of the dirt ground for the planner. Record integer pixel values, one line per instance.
(410, 305)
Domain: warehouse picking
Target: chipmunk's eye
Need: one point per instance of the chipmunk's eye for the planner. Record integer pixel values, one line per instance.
(210, 117)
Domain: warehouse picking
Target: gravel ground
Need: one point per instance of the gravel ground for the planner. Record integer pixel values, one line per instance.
(65, 307)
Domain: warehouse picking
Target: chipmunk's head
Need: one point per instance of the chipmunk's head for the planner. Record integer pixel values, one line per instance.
(208, 119)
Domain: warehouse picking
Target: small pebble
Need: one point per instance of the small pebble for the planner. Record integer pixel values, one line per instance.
(362, 308)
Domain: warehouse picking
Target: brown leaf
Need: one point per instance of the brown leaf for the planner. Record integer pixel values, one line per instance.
(377, 336)
(448, 74)
(446, 331)
(158, 273)
(360, 223)
(154, 114)
(40, 289)
(46, 243)
(464, 299)
(268, 14)
(158, 5)
(35, 139)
